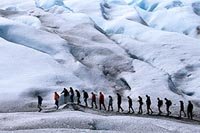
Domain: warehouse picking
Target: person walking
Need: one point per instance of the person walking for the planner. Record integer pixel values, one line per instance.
(130, 105)
(71, 94)
(160, 104)
(148, 103)
(110, 103)
(182, 109)
(85, 97)
(78, 95)
(94, 100)
(168, 105)
(40, 99)
(119, 102)
(140, 105)
(190, 110)
(66, 94)
(56, 98)
(101, 101)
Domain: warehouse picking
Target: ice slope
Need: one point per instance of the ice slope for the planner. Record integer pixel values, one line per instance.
(161, 16)
(68, 50)
(27, 69)
(107, 46)
(180, 48)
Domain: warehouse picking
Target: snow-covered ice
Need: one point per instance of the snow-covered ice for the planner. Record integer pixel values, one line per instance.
(72, 121)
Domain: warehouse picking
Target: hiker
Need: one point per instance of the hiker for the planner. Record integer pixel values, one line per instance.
(101, 100)
(160, 104)
(119, 101)
(78, 95)
(110, 103)
(66, 94)
(148, 103)
(72, 94)
(168, 104)
(182, 109)
(130, 104)
(56, 98)
(190, 110)
(140, 105)
(93, 100)
(40, 99)
(85, 97)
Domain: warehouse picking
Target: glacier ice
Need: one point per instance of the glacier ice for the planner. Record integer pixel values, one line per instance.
(105, 44)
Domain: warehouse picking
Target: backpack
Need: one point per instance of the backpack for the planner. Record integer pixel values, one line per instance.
(170, 103)
(161, 102)
(86, 95)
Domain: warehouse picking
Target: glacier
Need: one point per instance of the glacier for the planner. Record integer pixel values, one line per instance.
(111, 45)
(133, 47)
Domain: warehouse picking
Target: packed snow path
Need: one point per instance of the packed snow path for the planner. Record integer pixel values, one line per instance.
(64, 120)
(174, 116)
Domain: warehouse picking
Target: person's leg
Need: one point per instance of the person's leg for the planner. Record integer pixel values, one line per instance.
(99, 105)
(104, 106)
(85, 100)
(86, 104)
(57, 104)
(95, 104)
(121, 108)
(167, 111)
(151, 110)
(64, 99)
(72, 98)
(184, 113)
(39, 107)
(159, 110)
(92, 104)
(118, 108)
(79, 101)
(108, 107)
(133, 110)
(147, 109)
(191, 115)
(139, 109)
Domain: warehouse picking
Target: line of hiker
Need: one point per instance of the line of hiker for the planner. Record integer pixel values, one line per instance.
(70, 95)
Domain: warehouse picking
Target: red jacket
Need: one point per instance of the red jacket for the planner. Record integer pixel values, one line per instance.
(101, 98)
(93, 97)
(56, 97)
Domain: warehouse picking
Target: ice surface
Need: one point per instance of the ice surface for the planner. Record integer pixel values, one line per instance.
(130, 34)
(47, 4)
(73, 121)
(134, 47)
